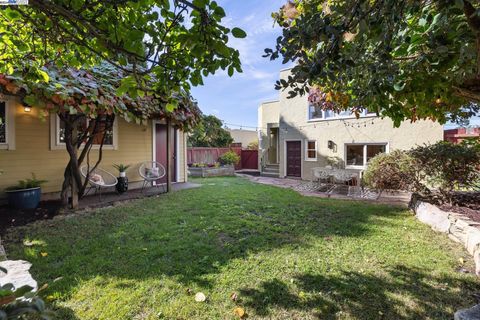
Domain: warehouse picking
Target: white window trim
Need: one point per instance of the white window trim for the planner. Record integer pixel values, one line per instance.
(9, 144)
(306, 150)
(364, 114)
(55, 144)
(387, 150)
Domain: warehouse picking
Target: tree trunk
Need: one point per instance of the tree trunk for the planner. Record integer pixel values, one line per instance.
(73, 184)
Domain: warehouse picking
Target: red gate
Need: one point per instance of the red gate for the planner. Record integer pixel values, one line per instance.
(250, 159)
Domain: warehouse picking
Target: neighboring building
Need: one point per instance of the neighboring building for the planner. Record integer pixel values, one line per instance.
(460, 134)
(29, 144)
(243, 137)
(296, 137)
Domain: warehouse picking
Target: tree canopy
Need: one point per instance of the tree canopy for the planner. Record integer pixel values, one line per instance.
(210, 133)
(178, 42)
(404, 59)
(94, 92)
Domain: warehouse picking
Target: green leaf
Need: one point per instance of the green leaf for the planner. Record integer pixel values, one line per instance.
(399, 86)
(231, 70)
(170, 107)
(219, 12)
(238, 33)
(12, 14)
(44, 75)
(22, 291)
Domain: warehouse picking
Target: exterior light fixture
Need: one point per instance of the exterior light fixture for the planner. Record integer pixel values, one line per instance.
(27, 108)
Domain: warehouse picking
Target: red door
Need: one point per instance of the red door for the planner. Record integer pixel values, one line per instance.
(161, 150)
(294, 158)
(250, 159)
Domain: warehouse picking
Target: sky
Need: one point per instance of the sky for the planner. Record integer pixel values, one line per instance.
(235, 100)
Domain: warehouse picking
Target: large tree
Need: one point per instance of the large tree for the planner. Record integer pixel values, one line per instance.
(89, 61)
(179, 41)
(404, 59)
(209, 132)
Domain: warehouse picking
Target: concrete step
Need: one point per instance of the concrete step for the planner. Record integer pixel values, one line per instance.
(272, 170)
(272, 166)
(269, 174)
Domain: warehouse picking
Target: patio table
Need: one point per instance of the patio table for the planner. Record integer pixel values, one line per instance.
(336, 177)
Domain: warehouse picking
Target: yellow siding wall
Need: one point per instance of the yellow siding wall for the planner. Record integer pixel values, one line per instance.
(33, 153)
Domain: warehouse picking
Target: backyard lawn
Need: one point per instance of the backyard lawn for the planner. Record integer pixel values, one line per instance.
(284, 256)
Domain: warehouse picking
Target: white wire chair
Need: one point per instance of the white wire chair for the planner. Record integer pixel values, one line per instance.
(152, 171)
(98, 179)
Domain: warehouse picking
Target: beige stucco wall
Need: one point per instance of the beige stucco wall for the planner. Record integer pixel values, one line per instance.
(245, 137)
(268, 117)
(33, 153)
(294, 125)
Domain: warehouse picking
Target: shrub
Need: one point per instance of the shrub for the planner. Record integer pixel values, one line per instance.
(391, 171)
(253, 145)
(229, 158)
(447, 166)
(31, 183)
(19, 303)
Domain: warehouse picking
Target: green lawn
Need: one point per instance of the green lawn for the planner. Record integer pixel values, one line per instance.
(286, 257)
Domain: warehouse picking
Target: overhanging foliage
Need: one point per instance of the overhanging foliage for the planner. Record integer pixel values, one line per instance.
(406, 59)
(95, 92)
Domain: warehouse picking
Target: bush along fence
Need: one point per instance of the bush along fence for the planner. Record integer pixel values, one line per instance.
(210, 156)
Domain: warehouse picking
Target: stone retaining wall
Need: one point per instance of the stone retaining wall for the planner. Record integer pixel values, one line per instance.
(459, 228)
(3, 254)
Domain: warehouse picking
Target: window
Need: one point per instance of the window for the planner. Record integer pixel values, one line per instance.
(358, 155)
(7, 124)
(316, 113)
(58, 134)
(311, 150)
(3, 122)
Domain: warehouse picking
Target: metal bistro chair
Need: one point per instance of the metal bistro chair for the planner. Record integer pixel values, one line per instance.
(152, 171)
(99, 179)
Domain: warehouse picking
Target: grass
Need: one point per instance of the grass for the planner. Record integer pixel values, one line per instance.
(286, 257)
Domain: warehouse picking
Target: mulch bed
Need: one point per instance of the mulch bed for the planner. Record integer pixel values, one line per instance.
(472, 214)
(13, 217)
(464, 203)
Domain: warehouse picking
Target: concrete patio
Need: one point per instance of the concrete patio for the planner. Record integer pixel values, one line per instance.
(110, 198)
(315, 189)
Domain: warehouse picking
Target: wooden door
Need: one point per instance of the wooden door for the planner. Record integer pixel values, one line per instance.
(161, 150)
(294, 158)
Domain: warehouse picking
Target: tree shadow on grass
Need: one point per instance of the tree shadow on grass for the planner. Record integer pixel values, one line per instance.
(191, 234)
(402, 293)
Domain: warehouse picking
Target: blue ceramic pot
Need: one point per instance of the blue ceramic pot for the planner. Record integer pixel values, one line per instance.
(24, 199)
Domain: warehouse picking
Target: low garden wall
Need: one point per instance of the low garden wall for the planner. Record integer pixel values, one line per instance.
(205, 172)
(459, 228)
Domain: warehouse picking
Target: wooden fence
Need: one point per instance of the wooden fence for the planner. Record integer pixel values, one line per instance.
(249, 158)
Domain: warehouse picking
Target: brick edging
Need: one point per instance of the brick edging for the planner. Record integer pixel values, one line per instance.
(458, 227)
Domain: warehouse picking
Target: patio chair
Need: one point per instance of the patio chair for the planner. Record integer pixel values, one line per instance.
(98, 179)
(152, 171)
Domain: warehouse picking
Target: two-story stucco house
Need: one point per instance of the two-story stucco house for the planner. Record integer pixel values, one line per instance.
(296, 137)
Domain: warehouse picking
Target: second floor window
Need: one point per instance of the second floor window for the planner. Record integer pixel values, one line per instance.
(316, 113)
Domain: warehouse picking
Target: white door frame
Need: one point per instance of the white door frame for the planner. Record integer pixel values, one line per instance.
(177, 148)
(285, 157)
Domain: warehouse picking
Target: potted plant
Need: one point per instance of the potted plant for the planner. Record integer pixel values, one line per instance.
(26, 194)
(122, 185)
(229, 158)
